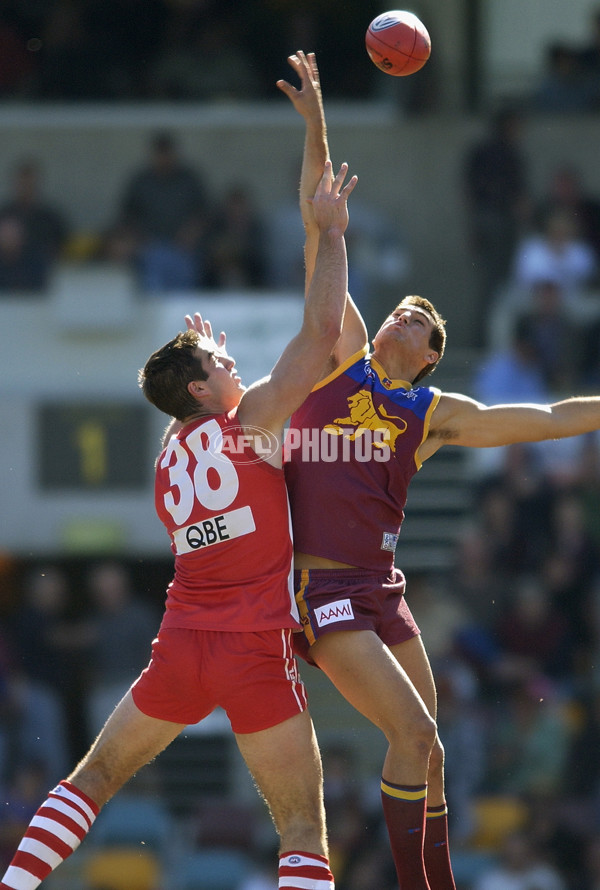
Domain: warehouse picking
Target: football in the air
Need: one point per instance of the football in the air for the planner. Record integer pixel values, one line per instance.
(398, 42)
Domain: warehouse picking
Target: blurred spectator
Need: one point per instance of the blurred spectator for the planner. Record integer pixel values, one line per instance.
(17, 63)
(69, 63)
(28, 782)
(235, 247)
(20, 270)
(582, 765)
(202, 57)
(478, 577)
(164, 206)
(462, 728)
(349, 816)
(533, 634)
(379, 256)
(100, 49)
(439, 613)
(521, 867)
(51, 648)
(33, 232)
(284, 234)
(558, 253)
(120, 626)
(563, 89)
(126, 36)
(589, 58)
(9, 708)
(495, 185)
(529, 737)
(569, 572)
(591, 864)
(508, 373)
(590, 632)
(555, 335)
(262, 873)
(513, 373)
(567, 191)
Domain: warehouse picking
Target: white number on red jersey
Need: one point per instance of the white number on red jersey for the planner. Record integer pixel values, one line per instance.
(214, 482)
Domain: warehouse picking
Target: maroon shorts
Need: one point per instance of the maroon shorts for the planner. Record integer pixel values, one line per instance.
(331, 600)
(252, 676)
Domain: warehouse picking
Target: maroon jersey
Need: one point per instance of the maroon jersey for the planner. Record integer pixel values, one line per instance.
(229, 524)
(351, 452)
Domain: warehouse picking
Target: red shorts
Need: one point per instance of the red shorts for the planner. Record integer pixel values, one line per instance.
(330, 600)
(253, 676)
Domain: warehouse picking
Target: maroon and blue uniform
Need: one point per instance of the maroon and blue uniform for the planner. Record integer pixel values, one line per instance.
(351, 452)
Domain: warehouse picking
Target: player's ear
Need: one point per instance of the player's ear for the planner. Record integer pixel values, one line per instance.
(197, 389)
(432, 357)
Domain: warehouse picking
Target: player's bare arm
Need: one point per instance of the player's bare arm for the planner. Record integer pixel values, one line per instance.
(459, 420)
(271, 401)
(308, 102)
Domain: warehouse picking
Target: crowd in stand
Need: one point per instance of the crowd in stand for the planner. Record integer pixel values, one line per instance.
(131, 50)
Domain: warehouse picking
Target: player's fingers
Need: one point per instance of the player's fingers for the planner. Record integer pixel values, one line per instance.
(312, 63)
(286, 88)
(207, 328)
(327, 177)
(222, 340)
(189, 321)
(349, 187)
(339, 179)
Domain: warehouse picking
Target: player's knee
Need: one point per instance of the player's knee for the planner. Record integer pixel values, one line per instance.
(420, 735)
(436, 758)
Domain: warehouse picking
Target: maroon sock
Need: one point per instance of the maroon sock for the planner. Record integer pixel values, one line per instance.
(435, 850)
(404, 811)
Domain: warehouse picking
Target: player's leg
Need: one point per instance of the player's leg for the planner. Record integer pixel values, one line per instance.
(413, 658)
(372, 680)
(285, 763)
(127, 742)
(363, 669)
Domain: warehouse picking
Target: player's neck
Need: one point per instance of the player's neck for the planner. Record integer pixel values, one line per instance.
(394, 368)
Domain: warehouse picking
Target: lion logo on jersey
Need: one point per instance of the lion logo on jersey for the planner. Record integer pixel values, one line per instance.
(364, 416)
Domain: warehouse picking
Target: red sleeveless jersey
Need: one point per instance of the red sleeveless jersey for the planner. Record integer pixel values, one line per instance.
(350, 453)
(227, 515)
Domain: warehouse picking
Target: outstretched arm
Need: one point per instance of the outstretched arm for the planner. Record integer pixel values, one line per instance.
(271, 401)
(309, 103)
(459, 420)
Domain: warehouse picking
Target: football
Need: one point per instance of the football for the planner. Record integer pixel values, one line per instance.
(398, 42)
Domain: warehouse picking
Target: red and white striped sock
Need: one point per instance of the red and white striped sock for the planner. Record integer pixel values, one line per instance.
(304, 871)
(56, 830)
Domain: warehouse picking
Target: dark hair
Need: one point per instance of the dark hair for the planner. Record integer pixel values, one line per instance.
(165, 376)
(437, 340)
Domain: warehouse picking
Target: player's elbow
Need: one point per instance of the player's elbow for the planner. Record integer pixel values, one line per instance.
(330, 329)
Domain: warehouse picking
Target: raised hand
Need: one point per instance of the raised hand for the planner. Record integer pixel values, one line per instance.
(307, 100)
(329, 203)
(204, 328)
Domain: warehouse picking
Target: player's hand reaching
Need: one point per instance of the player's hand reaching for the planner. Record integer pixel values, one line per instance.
(207, 341)
(330, 201)
(307, 100)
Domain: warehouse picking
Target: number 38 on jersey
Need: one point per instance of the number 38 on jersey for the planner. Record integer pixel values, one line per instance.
(208, 484)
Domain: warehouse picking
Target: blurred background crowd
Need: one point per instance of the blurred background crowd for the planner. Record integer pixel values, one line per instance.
(511, 618)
